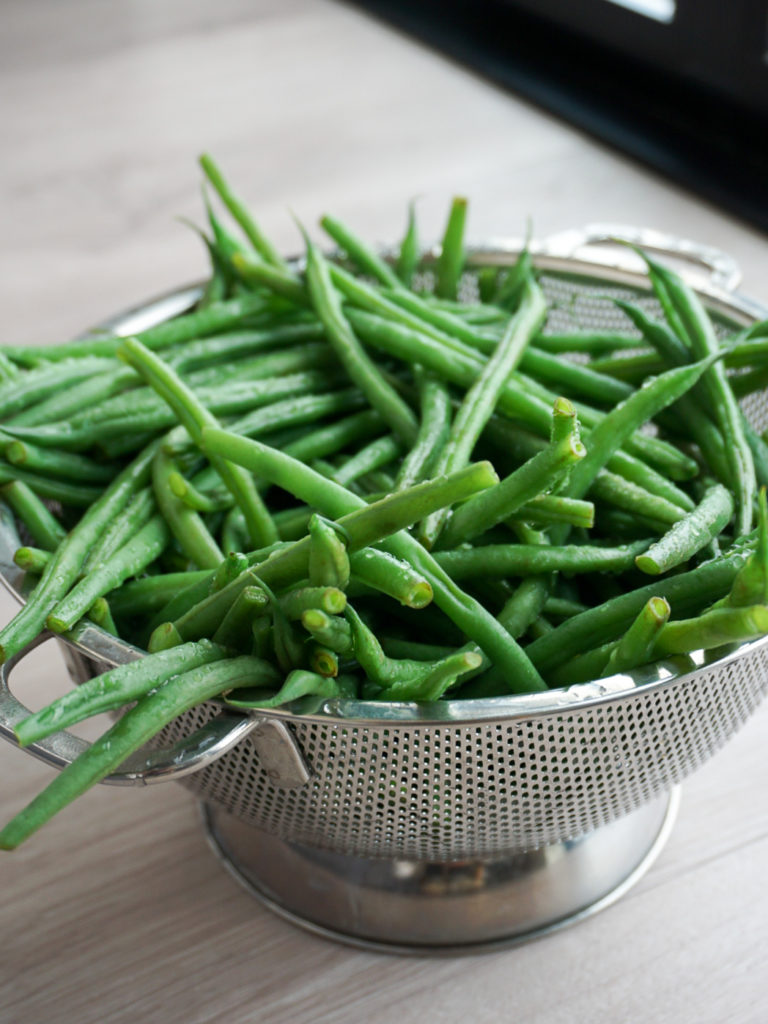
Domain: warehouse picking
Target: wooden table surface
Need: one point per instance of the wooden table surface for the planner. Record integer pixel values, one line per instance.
(117, 911)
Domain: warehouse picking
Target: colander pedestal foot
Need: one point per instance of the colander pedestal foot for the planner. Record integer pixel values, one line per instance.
(399, 905)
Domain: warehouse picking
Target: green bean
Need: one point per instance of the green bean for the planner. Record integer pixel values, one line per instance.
(573, 378)
(38, 383)
(691, 317)
(194, 499)
(240, 387)
(362, 371)
(164, 638)
(253, 270)
(686, 592)
(531, 560)
(8, 369)
(330, 600)
(462, 368)
(712, 629)
(359, 253)
(187, 527)
(291, 411)
(623, 494)
(751, 583)
(413, 650)
(414, 311)
(637, 645)
(654, 450)
(632, 368)
(554, 508)
(543, 472)
(298, 684)
(434, 427)
(236, 624)
(406, 679)
(67, 465)
(481, 398)
(62, 404)
(563, 608)
(674, 352)
(328, 630)
(327, 440)
(328, 564)
(195, 416)
(510, 289)
(379, 453)
(240, 212)
(441, 677)
(152, 593)
(114, 689)
(364, 525)
(100, 614)
(235, 345)
(32, 560)
(450, 262)
(42, 525)
(690, 534)
(152, 712)
(68, 558)
(409, 256)
(139, 552)
(382, 572)
(323, 661)
(292, 523)
(625, 418)
(76, 495)
(217, 317)
(595, 343)
(225, 244)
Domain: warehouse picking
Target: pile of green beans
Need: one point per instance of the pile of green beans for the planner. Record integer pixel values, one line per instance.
(345, 482)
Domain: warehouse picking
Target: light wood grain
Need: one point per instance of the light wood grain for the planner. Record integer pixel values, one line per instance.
(117, 911)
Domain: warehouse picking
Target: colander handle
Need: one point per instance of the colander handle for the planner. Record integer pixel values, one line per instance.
(700, 264)
(276, 747)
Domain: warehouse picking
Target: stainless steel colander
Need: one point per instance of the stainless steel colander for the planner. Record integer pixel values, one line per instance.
(465, 824)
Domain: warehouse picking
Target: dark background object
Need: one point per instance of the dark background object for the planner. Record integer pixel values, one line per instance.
(685, 92)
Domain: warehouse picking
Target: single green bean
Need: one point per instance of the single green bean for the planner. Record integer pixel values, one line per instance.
(690, 534)
(382, 572)
(450, 262)
(409, 256)
(298, 684)
(359, 253)
(76, 495)
(531, 560)
(636, 647)
(328, 564)
(31, 559)
(43, 527)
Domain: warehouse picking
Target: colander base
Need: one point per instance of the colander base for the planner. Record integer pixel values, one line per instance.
(414, 907)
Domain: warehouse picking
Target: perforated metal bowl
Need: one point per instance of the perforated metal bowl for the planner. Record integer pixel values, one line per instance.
(463, 824)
